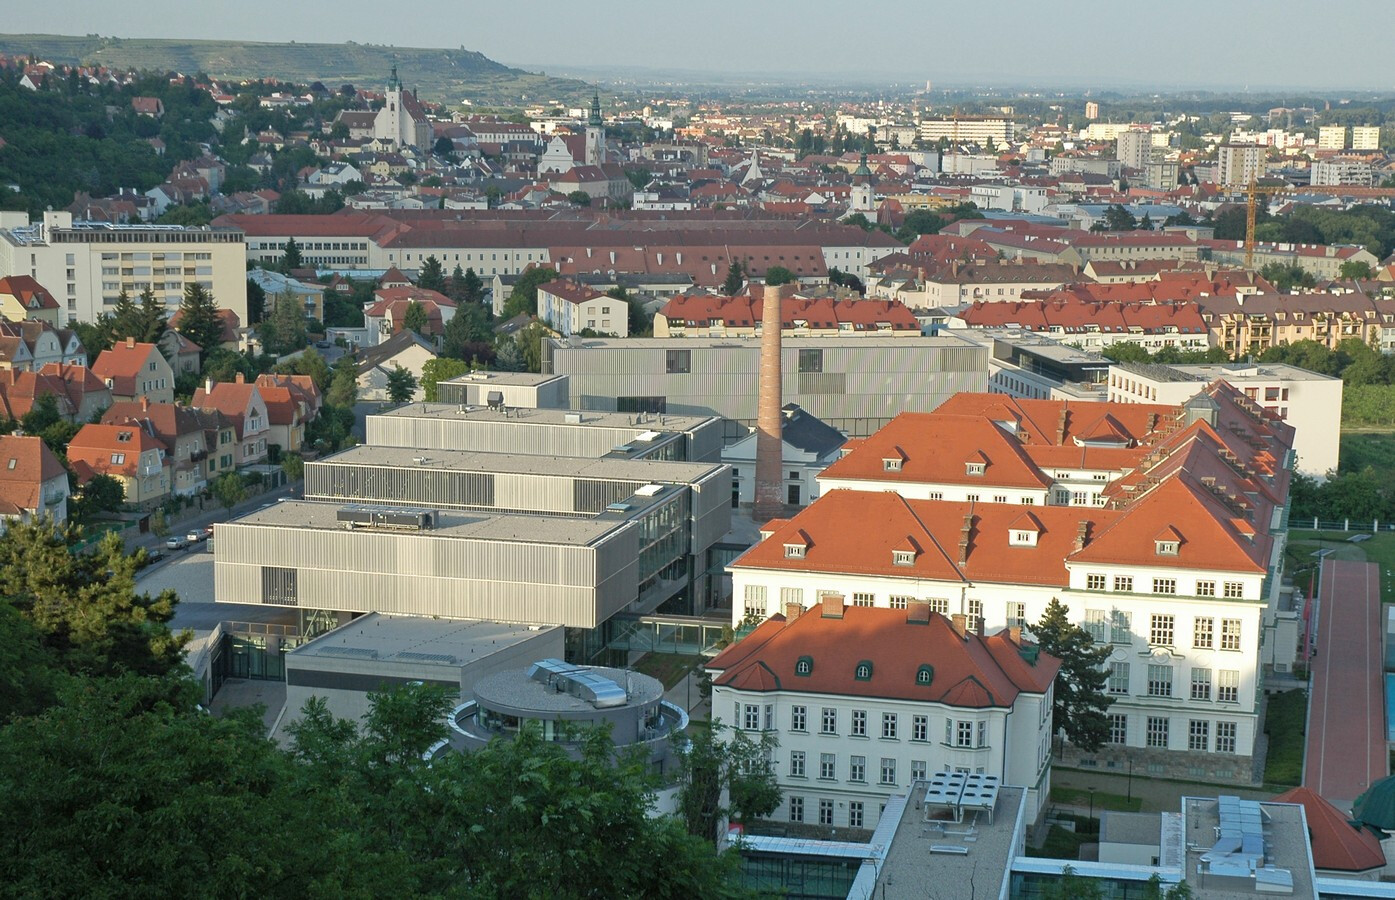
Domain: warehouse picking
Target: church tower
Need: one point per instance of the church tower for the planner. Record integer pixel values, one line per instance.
(595, 134)
(860, 197)
(387, 126)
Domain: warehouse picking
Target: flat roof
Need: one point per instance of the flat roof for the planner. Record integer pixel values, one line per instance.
(417, 640)
(1232, 372)
(607, 468)
(513, 379)
(922, 341)
(1036, 343)
(919, 854)
(1286, 846)
(454, 524)
(551, 417)
(514, 688)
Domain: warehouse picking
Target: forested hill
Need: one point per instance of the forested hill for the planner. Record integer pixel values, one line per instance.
(438, 74)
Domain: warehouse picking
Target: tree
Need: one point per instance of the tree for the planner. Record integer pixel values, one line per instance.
(467, 334)
(444, 146)
(735, 280)
(198, 317)
(1286, 276)
(256, 302)
(466, 288)
(124, 320)
(777, 275)
(431, 276)
(1355, 270)
(1080, 700)
(158, 526)
(293, 465)
(101, 494)
(509, 357)
(434, 371)
(415, 318)
(580, 198)
(285, 331)
(311, 363)
(739, 765)
(290, 259)
(523, 299)
(529, 342)
(343, 385)
(401, 384)
(228, 489)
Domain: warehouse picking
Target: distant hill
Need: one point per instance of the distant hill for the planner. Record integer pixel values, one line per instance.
(445, 75)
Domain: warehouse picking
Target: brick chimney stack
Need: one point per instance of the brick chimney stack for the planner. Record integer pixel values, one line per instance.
(770, 501)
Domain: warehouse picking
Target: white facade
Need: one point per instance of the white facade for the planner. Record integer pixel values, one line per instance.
(601, 313)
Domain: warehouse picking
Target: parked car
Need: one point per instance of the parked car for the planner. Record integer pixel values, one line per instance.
(175, 542)
(324, 345)
(197, 536)
(154, 555)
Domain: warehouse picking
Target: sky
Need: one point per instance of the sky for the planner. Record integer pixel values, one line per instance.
(1073, 44)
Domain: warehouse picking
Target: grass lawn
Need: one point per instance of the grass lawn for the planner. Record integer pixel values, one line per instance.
(1379, 549)
(1284, 722)
(667, 667)
(1061, 843)
(1081, 798)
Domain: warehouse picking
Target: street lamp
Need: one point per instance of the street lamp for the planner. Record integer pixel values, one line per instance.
(1092, 811)
(1129, 757)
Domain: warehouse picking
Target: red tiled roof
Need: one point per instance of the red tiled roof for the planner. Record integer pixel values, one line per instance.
(744, 311)
(98, 447)
(28, 292)
(25, 464)
(934, 448)
(122, 363)
(1337, 844)
(968, 670)
(570, 291)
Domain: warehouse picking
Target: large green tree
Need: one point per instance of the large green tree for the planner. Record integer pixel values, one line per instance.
(434, 371)
(776, 275)
(467, 335)
(431, 276)
(401, 385)
(290, 258)
(717, 761)
(523, 299)
(1079, 704)
(415, 318)
(735, 280)
(198, 317)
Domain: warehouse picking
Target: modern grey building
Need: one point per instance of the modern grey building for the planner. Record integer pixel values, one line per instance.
(548, 432)
(499, 389)
(855, 384)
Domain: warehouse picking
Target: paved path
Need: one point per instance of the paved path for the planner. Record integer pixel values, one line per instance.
(1345, 750)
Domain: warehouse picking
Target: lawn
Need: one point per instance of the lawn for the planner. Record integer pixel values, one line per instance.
(1080, 797)
(667, 667)
(1061, 843)
(1284, 723)
(1379, 549)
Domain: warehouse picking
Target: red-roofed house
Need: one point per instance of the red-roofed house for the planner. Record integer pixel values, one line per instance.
(133, 370)
(569, 307)
(242, 404)
(127, 453)
(1341, 847)
(33, 483)
(385, 316)
(191, 438)
(21, 297)
(714, 315)
(866, 701)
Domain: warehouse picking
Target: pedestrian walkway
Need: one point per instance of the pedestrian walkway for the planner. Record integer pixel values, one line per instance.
(1345, 751)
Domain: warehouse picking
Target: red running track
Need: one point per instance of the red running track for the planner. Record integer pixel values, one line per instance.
(1346, 749)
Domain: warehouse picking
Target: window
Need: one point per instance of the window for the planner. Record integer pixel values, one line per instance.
(857, 768)
(1123, 583)
(796, 809)
(860, 599)
(1206, 588)
(940, 605)
(1230, 634)
(755, 600)
(1121, 627)
(810, 360)
(899, 602)
(1159, 680)
(1203, 628)
(920, 728)
(1016, 614)
(804, 666)
(1225, 737)
(982, 735)
(863, 672)
(825, 812)
(1097, 625)
(903, 557)
(889, 726)
(1201, 684)
(751, 718)
(794, 551)
(1118, 678)
(1199, 735)
(828, 766)
(790, 595)
(1166, 548)
(829, 723)
(1234, 590)
(1157, 732)
(1161, 629)
(796, 763)
(1228, 686)
(918, 770)
(799, 718)
(925, 675)
(859, 723)
(1164, 585)
(975, 612)
(963, 734)
(769, 717)
(855, 814)
(1094, 582)
(888, 770)
(974, 468)
(1118, 729)
(678, 362)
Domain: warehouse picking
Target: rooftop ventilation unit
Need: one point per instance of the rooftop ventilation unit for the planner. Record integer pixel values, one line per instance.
(650, 490)
(648, 436)
(582, 683)
(572, 418)
(402, 518)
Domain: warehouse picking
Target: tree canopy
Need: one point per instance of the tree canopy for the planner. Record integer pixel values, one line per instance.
(198, 317)
(1079, 700)
(524, 296)
(401, 384)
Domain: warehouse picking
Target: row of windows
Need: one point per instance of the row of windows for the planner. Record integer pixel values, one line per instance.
(958, 732)
(1160, 682)
(754, 602)
(857, 768)
(1157, 733)
(856, 812)
(1231, 590)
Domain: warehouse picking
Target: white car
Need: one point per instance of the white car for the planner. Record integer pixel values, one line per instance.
(176, 543)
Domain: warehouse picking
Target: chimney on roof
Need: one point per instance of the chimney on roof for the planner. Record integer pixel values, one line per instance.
(239, 379)
(833, 606)
(208, 385)
(1015, 634)
(918, 611)
(144, 403)
(769, 418)
(130, 343)
(792, 611)
(1082, 535)
(960, 623)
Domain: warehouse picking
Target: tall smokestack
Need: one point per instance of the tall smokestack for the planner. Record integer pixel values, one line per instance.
(770, 501)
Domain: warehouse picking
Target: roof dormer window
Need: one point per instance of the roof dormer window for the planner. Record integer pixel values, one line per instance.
(903, 557)
(925, 675)
(974, 468)
(1166, 548)
(804, 666)
(891, 464)
(794, 551)
(1020, 538)
(863, 672)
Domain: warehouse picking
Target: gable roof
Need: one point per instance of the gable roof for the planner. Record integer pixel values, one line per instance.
(26, 463)
(112, 449)
(384, 352)
(122, 363)
(27, 292)
(1338, 843)
(934, 448)
(968, 670)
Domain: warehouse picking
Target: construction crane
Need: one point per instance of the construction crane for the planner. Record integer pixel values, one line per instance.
(1253, 191)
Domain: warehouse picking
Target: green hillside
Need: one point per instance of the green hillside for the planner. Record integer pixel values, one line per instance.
(445, 75)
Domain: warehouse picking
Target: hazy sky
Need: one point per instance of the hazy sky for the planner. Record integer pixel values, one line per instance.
(1075, 43)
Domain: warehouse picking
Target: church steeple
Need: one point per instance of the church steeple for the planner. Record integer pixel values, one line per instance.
(862, 172)
(393, 83)
(595, 118)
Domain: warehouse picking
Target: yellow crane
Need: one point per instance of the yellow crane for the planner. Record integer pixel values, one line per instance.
(1253, 191)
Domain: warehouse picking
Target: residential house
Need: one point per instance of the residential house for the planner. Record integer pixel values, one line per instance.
(714, 315)
(407, 349)
(22, 297)
(128, 453)
(31, 344)
(286, 414)
(33, 483)
(569, 307)
(135, 369)
(867, 701)
(181, 430)
(302, 388)
(233, 332)
(242, 404)
(386, 315)
(87, 395)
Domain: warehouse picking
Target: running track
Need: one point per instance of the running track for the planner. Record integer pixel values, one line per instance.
(1346, 749)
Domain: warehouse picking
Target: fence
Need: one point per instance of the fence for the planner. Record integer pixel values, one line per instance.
(1375, 526)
